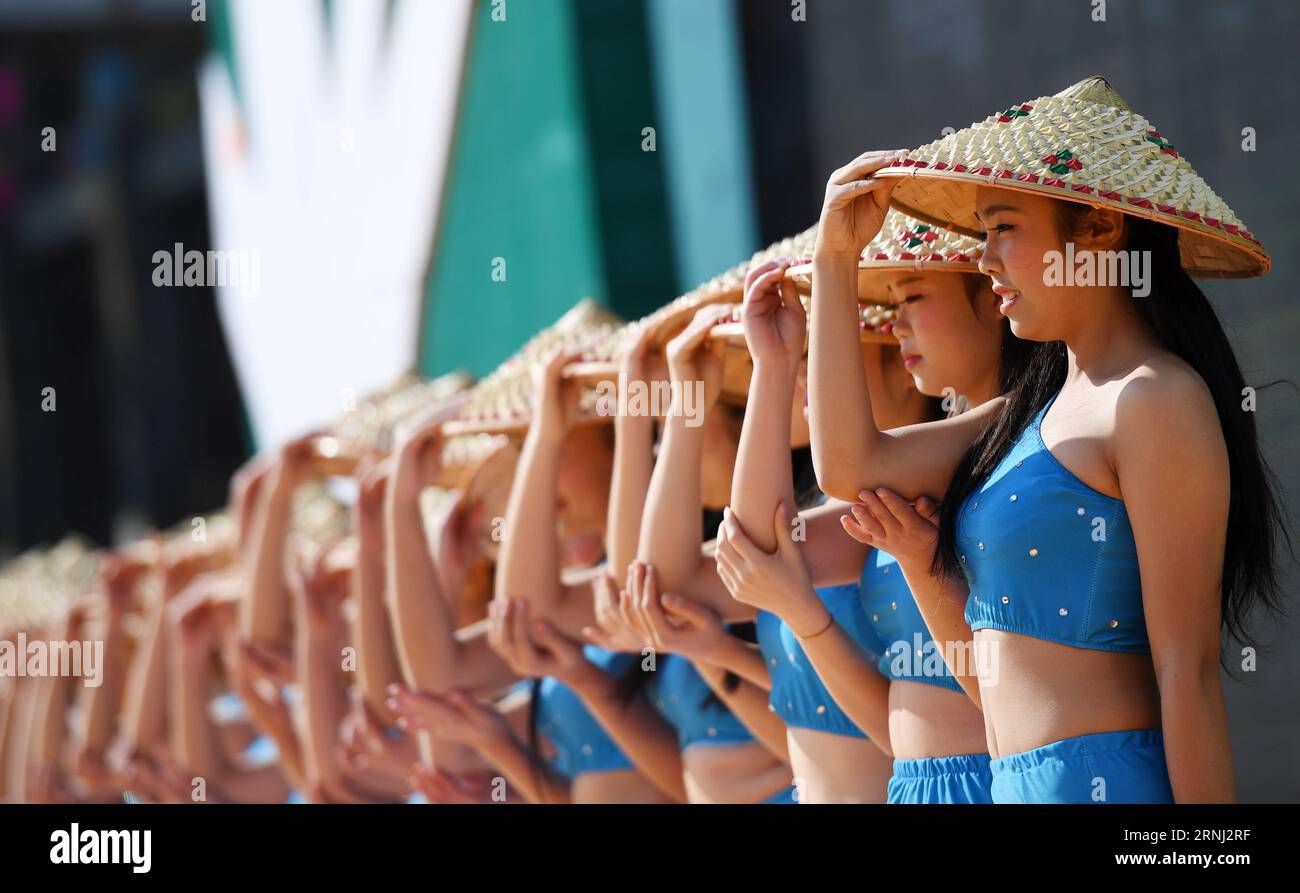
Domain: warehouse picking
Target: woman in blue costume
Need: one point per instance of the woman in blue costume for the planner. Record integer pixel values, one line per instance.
(717, 758)
(951, 341)
(1099, 580)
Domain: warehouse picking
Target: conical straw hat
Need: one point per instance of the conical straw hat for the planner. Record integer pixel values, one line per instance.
(502, 402)
(1085, 144)
(371, 424)
(903, 243)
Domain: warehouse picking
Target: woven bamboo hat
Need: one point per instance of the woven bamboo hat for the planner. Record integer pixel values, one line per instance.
(1084, 144)
(903, 243)
(38, 588)
(502, 402)
(370, 425)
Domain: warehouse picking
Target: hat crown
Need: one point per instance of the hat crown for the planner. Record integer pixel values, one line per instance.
(1095, 89)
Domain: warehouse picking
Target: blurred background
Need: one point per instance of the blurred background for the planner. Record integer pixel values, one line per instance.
(423, 184)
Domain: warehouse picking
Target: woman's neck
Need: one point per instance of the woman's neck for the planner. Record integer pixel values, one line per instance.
(1108, 340)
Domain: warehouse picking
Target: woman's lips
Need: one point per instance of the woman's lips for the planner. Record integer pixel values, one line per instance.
(910, 360)
(1008, 296)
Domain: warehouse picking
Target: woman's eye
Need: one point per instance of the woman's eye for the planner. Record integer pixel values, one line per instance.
(911, 299)
(1000, 228)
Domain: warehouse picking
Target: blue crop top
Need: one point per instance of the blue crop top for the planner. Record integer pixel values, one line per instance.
(581, 743)
(686, 701)
(799, 696)
(1047, 556)
(907, 650)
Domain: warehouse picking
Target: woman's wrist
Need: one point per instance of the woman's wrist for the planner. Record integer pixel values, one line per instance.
(588, 680)
(805, 613)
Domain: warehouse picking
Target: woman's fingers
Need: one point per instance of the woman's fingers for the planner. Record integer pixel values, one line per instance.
(866, 164)
(897, 507)
(742, 548)
(693, 612)
(867, 522)
(601, 639)
(888, 523)
(855, 529)
(754, 272)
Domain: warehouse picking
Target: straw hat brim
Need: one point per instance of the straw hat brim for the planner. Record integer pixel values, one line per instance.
(943, 197)
(502, 402)
(874, 276)
(1084, 145)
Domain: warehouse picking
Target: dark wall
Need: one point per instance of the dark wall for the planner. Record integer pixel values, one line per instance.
(148, 423)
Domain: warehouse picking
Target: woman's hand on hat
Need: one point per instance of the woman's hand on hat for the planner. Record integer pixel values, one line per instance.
(321, 589)
(887, 521)
(776, 324)
(555, 398)
(855, 205)
(777, 582)
(693, 357)
(373, 479)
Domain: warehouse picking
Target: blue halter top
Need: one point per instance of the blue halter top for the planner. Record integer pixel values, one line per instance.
(1048, 556)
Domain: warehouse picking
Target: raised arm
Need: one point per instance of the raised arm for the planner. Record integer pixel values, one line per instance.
(849, 452)
(672, 524)
(266, 615)
(529, 565)
(433, 658)
(372, 633)
(633, 465)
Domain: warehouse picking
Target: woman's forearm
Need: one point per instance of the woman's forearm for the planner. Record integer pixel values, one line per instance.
(942, 603)
(763, 477)
(524, 770)
(103, 702)
(377, 664)
(143, 723)
(529, 564)
(434, 657)
(633, 467)
(736, 656)
(751, 705)
(840, 420)
(673, 523)
(324, 704)
(265, 615)
(194, 735)
(1197, 752)
(853, 681)
(638, 729)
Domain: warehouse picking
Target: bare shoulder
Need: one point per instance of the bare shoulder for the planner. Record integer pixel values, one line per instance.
(1164, 391)
(1164, 404)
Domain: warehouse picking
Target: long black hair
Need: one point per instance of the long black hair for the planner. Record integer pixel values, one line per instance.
(1184, 323)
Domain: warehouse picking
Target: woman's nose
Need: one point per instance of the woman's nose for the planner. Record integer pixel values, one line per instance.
(989, 262)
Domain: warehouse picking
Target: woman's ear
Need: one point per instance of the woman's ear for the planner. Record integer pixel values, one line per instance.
(1102, 230)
